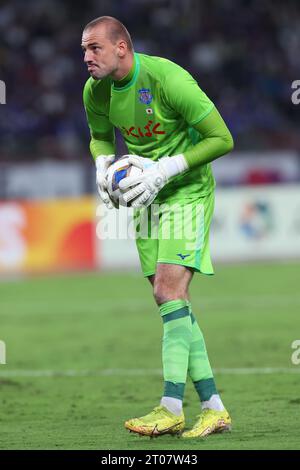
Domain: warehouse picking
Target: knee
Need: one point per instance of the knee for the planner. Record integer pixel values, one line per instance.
(162, 293)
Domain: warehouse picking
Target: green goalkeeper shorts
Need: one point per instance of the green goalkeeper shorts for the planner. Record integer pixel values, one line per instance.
(175, 233)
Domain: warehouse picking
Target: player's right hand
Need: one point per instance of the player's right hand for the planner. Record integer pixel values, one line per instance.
(102, 164)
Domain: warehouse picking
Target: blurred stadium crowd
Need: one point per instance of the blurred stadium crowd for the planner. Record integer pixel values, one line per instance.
(244, 54)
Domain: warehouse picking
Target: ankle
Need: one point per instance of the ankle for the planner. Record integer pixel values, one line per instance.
(174, 405)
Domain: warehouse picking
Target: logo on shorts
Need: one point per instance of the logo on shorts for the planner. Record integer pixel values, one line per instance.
(145, 96)
(182, 256)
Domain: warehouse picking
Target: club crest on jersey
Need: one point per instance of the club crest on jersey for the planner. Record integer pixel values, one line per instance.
(145, 96)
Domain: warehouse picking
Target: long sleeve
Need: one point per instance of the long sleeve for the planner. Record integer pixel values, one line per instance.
(216, 140)
(183, 94)
(96, 103)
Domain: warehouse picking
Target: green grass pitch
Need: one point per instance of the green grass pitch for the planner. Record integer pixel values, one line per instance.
(84, 355)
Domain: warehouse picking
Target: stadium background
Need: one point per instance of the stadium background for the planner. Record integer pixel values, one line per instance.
(60, 283)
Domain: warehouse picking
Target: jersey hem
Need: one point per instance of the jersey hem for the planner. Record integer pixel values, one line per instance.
(184, 198)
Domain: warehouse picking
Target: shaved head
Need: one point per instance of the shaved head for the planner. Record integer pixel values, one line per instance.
(115, 30)
(107, 48)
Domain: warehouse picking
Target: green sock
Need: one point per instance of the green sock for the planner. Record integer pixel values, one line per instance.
(199, 367)
(176, 346)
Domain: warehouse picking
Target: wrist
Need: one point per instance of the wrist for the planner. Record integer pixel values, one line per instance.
(100, 160)
(173, 166)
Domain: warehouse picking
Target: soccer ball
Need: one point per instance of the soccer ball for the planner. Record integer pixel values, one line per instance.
(116, 172)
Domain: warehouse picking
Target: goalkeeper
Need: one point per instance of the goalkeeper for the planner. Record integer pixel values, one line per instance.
(161, 112)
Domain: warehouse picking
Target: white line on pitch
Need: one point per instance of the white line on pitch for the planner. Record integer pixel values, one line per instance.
(141, 372)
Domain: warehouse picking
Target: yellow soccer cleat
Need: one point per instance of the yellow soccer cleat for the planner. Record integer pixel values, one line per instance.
(159, 421)
(209, 422)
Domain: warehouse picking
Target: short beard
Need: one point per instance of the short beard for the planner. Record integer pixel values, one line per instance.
(97, 77)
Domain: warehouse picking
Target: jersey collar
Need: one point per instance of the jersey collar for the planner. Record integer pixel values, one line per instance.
(130, 78)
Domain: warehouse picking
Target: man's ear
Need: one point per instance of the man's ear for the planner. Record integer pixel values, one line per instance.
(122, 48)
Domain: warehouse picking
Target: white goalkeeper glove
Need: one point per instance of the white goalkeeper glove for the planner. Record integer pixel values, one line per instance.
(102, 164)
(155, 176)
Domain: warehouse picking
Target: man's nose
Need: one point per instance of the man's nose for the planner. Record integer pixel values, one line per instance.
(87, 56)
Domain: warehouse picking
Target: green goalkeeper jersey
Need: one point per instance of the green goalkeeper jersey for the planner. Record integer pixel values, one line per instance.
(156, 108)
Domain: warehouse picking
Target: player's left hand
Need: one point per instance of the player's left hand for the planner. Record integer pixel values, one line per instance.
(144, 188)
(155, 175)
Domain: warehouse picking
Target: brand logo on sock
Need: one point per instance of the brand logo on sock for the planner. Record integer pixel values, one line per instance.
(182, 256)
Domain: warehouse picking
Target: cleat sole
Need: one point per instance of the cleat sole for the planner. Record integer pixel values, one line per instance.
(155, 433)
(226, 428)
